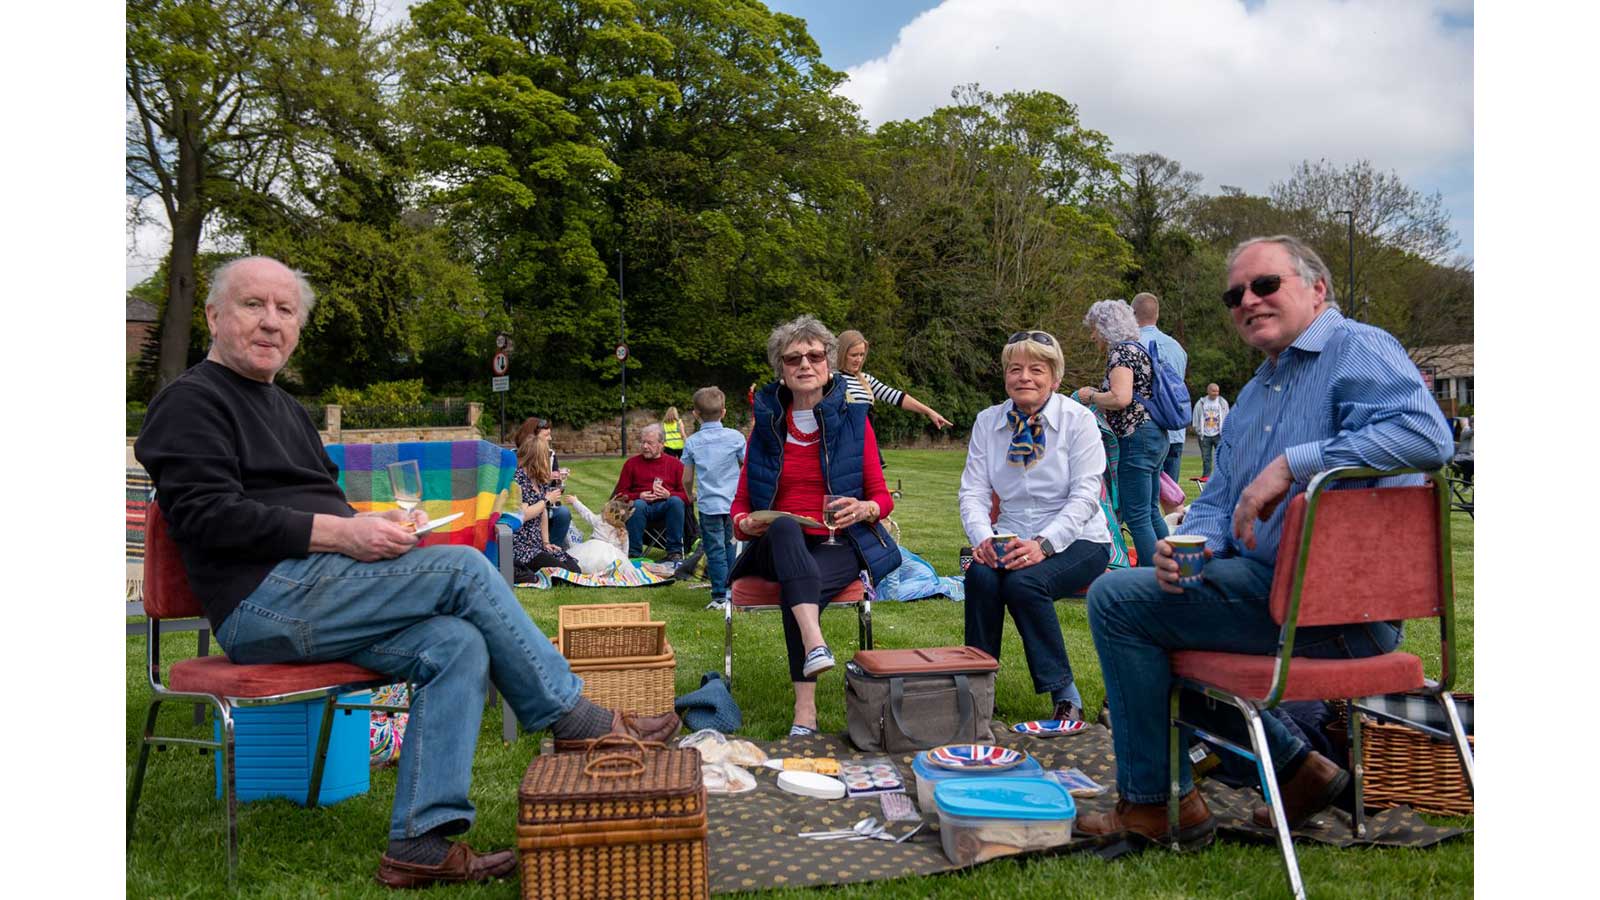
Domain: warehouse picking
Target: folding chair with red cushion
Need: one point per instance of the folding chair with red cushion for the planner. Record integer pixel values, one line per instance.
(750, 594)
(224, 685)
(1349, 556)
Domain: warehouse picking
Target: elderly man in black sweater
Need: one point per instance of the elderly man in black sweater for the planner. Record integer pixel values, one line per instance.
(287, 571)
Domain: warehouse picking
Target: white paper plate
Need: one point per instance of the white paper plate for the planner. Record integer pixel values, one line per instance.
(811, 784)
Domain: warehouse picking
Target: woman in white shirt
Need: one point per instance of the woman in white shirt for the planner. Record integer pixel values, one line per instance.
(1041, 457)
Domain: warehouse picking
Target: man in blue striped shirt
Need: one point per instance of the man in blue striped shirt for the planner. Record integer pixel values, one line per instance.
(1332, 392)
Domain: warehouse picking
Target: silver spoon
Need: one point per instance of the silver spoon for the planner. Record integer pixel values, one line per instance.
(865, 826)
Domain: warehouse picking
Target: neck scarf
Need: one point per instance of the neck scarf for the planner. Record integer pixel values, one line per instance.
(1027, 437)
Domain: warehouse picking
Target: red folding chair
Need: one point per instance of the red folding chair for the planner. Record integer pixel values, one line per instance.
(224, 685)
(750, 594)
(1361, 554)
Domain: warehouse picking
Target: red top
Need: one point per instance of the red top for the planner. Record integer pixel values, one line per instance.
(800, 488)
(639, 474)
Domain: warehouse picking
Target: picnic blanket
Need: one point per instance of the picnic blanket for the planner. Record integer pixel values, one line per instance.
(469, 477)
(627, 573)
(753, 843)
(139, 490)
(916, 579)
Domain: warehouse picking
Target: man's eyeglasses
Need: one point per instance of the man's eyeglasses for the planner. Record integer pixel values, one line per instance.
(1037, 336)
(815, 357)
(1261, 286)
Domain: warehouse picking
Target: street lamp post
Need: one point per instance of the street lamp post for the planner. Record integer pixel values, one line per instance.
(1350, 284)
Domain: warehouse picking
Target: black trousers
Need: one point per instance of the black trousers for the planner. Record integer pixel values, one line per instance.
(806, 569)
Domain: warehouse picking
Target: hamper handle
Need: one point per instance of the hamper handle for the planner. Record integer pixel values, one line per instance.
(614, 765)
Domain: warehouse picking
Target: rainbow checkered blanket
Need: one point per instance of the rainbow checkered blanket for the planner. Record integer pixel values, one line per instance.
(621, 574)
(469, 477)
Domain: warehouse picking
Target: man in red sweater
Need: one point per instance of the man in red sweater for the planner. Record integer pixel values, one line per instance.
(654, 482)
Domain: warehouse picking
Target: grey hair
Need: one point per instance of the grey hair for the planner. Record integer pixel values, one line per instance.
(805, 328)
(653, 428)
(1113, 321)
(222, 283)
(1307, 264)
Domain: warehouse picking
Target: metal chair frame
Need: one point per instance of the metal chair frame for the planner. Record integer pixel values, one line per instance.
(863, 622)
(1252, 709)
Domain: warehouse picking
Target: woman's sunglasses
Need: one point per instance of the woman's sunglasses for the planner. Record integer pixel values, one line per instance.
(1036, 336)
(815, 357)
(1261, 286)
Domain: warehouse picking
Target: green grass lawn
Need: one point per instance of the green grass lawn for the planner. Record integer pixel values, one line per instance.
(285, 851)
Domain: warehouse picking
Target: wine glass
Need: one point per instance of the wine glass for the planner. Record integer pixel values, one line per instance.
(829, 517)
(405, 479)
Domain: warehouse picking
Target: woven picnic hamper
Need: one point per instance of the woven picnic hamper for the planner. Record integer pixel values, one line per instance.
(600, 630)
(623, 820)
(642, 685)
(1405, 767)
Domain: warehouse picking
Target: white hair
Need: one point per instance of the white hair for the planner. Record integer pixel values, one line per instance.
(804, 328)
(222, 283)
(1307, 264)
(655, 429)
(1113, 321)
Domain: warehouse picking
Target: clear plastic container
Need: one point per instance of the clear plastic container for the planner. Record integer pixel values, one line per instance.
(982, 818)
(929, 775)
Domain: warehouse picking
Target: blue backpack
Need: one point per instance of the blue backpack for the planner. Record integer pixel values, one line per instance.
(1168, 403)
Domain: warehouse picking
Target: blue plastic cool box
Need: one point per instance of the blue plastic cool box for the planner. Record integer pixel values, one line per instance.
(275, 747)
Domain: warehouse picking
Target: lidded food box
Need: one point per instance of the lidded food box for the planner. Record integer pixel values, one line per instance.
(929, 774)
(623, 820)
(982, 818)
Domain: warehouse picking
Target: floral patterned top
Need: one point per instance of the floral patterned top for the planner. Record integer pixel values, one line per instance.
(1129, 355)
(528, 541)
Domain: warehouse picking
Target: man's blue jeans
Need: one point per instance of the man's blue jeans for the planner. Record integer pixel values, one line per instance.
(716, 538)
(1173, 464)
(1208, 446)
(1030, 594)
(439, 617)
(560, 524)
(1139, 487)
(1135, 624)
(668, 512)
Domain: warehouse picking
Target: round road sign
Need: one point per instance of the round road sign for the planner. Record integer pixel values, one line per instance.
(502, 363)
(622, 351)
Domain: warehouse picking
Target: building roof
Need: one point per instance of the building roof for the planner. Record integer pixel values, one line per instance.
(141, 310)
(1447, 360)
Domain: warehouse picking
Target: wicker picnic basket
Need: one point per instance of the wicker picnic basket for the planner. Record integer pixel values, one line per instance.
(1405, 767)
(623, 820)
(602, 630)
(642, 685)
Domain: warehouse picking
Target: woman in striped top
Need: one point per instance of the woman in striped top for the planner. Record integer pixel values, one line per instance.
(863, 388)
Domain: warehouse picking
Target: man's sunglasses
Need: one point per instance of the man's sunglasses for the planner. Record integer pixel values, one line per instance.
(1037, 336)
(1261, 286)
(815, 357)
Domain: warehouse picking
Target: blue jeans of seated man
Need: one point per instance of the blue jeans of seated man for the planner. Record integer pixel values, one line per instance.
(1030, 594)
(1139, 487)
(439, 617)
(560, 523)
(668, 512)
(1208, 446)
(716, 538)
(1135, 624)
(1173, 463)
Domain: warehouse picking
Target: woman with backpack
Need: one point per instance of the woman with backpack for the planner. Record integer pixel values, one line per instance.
(1141, 444)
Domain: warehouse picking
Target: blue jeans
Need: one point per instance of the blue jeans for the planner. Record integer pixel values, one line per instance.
(1140, 456)
(1173, 464)
(1208, 446)
(716, 539)
(1135, 624)
(560, 522)
(1030, 595)
(668, 512)
(439, 617)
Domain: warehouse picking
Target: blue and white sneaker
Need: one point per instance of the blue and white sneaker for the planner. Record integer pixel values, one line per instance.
(801, 731)
(819, 660)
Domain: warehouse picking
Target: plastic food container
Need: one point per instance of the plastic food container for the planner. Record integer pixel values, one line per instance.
(982, 818)
(929, 775)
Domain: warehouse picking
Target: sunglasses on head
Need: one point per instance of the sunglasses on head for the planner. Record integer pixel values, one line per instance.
(1037, 336)
(815, 357)
(1261, 286)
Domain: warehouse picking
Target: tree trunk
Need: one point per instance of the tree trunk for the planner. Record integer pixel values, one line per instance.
(187, 216)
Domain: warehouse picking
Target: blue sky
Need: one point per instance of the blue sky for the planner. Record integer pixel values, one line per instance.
(1238, 90)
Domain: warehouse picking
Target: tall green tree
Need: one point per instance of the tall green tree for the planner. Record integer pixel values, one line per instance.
(214, 100)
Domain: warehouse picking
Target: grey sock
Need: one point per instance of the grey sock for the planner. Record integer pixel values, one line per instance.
(584, 720)
(427, 849)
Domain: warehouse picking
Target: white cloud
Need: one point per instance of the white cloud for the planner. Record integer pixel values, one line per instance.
(1239, 95)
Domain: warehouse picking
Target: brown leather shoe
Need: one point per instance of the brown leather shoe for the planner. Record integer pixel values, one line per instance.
(460, 865)
(1196, 826)
(645, 728)
(1318, 783)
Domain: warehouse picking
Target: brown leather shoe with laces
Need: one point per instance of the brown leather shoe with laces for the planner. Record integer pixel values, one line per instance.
(1196, 826)
(461, 865)
(646, 728)
(1317, 784)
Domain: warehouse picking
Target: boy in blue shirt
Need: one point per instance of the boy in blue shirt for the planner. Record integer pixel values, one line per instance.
(711, 460)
